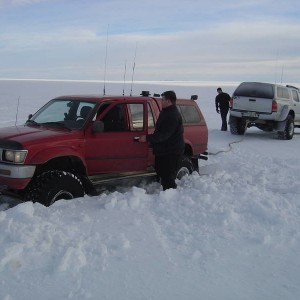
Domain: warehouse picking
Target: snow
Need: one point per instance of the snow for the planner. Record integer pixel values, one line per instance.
(232, 232)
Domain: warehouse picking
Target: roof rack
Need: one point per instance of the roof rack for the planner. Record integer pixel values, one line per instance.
(293, 87)
(145, 94)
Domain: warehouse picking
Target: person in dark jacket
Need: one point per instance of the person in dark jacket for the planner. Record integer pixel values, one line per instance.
(222, 107)
(167, 141)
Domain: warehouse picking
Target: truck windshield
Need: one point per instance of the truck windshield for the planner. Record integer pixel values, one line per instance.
(71, 114)
(255, 90)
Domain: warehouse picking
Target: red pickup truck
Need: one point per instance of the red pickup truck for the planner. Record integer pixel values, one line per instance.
(73, 144)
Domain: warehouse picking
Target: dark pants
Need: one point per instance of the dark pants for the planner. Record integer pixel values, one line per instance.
(224, 112)
(166, 168)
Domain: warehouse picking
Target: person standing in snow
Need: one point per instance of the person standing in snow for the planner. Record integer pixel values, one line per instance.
(222, 107)
(167, 141)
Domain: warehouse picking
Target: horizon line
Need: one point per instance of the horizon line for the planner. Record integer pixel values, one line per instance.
(159, 82)
(163, 82)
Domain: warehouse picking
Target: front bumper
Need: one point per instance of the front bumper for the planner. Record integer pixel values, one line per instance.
(15, 177)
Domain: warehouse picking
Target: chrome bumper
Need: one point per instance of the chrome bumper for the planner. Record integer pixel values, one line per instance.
(16, 171)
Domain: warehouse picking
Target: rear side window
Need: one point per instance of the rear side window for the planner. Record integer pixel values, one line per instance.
(255, 90)
(137, 116)
(189, 113)
(150, 117)
(282, 92)
(295, 96)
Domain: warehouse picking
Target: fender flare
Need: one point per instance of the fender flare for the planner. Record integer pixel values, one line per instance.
(45, 155)
(284, 113)
(188, 146)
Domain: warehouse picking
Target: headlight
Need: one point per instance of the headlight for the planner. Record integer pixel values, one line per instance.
(15, 156)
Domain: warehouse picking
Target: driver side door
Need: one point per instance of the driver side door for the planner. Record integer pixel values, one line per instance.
(115, 149)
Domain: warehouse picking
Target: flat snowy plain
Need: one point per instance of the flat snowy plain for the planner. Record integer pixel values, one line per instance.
(232, 232)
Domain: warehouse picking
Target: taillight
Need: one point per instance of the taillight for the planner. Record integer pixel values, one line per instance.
(231, 102)
(274, 106)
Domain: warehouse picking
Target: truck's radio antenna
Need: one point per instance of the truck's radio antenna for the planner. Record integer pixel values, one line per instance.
(17, 111)
(105, 62)
(282, 73)
(133, 68)
(124, 78)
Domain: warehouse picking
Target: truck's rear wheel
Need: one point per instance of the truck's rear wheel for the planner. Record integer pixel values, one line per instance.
(288, 132)
(185, 167)
(54, 185)
(237, 125)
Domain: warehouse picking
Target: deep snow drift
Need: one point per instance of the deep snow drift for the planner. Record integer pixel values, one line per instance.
(231, 233)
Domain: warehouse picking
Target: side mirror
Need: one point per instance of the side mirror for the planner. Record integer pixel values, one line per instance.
(98, 126)
(28, 120)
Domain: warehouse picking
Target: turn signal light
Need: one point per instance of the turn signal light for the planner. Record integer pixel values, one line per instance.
(274, 106)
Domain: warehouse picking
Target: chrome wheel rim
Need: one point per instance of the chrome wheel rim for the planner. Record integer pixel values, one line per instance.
(62, 195)
(182, 172)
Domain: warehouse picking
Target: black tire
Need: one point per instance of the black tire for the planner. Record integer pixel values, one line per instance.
(51, 186)
(185, 167)
(288, 132)
(237, 125)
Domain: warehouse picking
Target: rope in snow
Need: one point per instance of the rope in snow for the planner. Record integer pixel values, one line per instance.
(230, 144)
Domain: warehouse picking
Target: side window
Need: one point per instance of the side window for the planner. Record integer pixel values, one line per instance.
(101, 109)
(150, 117)
(114, 119)
(136, 111)
(282, 92)
(295, 96)
(189, 114)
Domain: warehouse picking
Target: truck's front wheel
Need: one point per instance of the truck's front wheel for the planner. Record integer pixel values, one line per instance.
(54, 185)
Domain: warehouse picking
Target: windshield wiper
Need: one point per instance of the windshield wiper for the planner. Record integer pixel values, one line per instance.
(57, 124)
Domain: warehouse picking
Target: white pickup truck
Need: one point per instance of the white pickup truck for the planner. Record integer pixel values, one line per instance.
(269, 107)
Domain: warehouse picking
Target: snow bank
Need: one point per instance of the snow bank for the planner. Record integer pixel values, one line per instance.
(230, 233)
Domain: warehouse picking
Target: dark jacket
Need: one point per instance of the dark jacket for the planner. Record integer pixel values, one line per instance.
(167, 137)
(222, 101)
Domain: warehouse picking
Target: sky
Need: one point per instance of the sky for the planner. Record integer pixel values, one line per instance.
(151, 40)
